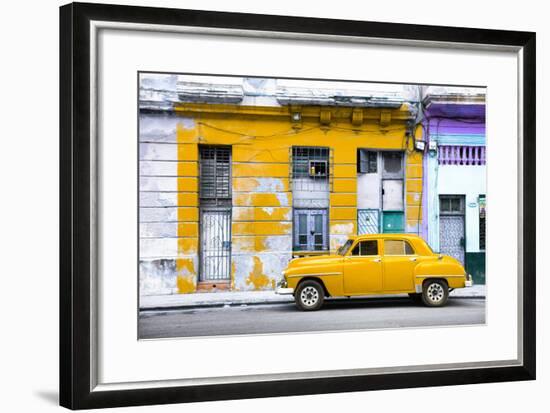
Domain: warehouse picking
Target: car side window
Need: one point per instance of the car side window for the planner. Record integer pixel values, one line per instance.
(397, 247)
(365, 248)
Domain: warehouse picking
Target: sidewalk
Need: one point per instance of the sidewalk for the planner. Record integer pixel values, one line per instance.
(244, 298)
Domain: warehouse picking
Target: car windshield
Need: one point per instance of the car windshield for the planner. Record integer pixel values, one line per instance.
(345, 248)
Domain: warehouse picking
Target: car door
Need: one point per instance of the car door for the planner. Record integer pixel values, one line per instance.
(398, 262)
(363, 269)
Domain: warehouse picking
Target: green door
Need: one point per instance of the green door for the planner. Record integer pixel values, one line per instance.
(393, 222)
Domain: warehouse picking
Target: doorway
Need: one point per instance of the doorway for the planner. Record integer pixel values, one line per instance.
(452, 240)
(310, 230)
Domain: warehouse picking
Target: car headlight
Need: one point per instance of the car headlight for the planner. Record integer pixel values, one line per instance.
(282, 284)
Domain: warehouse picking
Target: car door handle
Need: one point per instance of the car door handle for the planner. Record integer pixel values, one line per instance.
(413, 259)
(377, 260)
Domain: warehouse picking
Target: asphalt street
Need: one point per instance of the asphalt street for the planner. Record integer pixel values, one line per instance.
(285, 318)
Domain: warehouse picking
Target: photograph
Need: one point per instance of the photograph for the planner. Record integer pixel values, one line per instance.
(303, 194)
(293, 205)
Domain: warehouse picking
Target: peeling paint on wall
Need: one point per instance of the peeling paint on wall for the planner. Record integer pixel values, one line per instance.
(257, 272)
(336, 241)
(283, 198)
(278, 244)
(157, 277)
(269, 185)
(241, 266)
(186, 275)
(150, 248)
(186, 284)
(342, 229)
(257, 278)
(158, 128)
(262, 199)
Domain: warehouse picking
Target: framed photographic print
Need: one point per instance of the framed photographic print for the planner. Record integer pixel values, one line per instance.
(257, 206)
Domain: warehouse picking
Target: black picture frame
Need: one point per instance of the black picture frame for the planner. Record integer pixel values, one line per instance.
(76, 220)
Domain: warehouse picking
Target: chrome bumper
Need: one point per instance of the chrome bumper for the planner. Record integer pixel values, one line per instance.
(469, 281)
(282, 288)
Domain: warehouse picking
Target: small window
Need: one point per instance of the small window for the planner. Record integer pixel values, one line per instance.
(366, 248)
(215, 173)
(310, 162)
(397, 247)
(317, 169)
(393, 164)
(451, 204)
(367, 162)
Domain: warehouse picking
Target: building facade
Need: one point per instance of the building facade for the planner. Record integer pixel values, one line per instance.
(238, 178)
(454, 220)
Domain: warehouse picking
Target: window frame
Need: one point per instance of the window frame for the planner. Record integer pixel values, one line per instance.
(357, 245)
(320, 162)
(392, 175)
(310, 214)
(298, 159)
(367, 154)
(406, 242)
(219, 195)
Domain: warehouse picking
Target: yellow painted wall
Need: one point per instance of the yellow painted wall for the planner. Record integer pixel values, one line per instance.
(413, 187)
(261, 141)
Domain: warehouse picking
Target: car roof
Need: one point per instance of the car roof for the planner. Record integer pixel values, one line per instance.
(387, 236)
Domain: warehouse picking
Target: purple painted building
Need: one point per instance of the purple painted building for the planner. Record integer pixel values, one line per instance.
(454, 185)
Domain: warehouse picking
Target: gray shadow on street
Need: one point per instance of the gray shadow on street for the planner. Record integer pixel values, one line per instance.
(355, 303)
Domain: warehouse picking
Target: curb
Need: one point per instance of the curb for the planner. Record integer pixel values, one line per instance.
(257, 303)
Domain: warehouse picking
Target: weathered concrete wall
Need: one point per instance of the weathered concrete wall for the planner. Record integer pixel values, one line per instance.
(261, 139)
(413, 190)
(168, 216)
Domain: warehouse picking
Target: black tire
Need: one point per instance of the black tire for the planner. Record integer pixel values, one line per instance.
(416, 298)
(435, 293)
(309, 296)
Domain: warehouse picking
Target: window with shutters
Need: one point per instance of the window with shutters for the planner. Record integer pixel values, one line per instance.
(215, 175)
(367, 161)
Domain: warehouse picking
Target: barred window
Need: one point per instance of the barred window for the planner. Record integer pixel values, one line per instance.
(215, 172)
(451, 204)
(310, 162)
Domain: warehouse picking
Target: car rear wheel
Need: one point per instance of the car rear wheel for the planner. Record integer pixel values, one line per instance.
(309, 296)
(435, 293)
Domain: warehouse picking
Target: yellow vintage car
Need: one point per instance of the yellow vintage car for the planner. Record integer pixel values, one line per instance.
(371, 265)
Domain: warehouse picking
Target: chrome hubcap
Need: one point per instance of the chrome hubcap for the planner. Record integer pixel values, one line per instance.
(309, 296)
(435, 292)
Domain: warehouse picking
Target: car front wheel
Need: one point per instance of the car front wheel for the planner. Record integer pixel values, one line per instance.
(309, 296)
(435, 293)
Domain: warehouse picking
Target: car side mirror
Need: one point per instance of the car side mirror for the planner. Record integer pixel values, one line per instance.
(440, 257)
